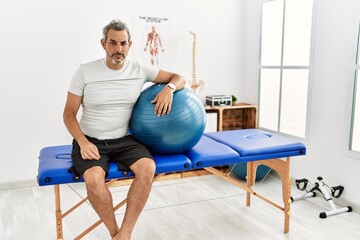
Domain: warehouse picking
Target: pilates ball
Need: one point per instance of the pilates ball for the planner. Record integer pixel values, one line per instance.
(173, 133)
(240, 171)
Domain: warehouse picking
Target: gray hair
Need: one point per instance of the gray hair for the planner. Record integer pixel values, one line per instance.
(116, 25)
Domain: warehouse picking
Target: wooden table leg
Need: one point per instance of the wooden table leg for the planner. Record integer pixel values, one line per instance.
(58, 214)
(286, 181)
(250, 180)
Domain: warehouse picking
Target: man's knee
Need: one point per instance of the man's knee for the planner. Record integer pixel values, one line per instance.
(94, 177)
(144, 167)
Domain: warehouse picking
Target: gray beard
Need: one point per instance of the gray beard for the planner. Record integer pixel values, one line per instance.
(116, 61)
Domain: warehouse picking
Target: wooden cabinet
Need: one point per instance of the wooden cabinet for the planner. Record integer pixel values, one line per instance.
(237, 116)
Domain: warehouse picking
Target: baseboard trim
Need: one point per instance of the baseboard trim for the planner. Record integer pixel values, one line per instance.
(18, 184)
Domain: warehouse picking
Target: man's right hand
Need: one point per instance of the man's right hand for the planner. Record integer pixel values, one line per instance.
(89, 151)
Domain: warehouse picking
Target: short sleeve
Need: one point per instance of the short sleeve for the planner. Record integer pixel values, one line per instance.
(77, 83)
(150, 72)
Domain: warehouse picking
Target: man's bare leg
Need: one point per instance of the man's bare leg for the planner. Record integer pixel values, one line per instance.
(100, 197)
(144, 170)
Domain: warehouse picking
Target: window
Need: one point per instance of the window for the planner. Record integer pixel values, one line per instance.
(355, 129)
(284, 65)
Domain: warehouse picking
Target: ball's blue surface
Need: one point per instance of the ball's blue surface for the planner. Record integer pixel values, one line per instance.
(240, 171)
(172, 133)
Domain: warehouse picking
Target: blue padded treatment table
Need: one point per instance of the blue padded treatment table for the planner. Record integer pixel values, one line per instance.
(55, 161)
(213, 150)
(257, 145)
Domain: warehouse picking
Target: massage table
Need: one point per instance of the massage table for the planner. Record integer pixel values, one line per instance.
(215, 149)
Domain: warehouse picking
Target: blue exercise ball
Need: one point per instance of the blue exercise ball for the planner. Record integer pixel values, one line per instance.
(240, 171)
(172, 133)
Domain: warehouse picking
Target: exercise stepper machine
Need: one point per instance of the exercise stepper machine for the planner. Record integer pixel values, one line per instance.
(320, 186)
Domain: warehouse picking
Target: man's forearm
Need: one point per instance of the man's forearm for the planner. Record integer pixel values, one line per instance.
(178, 81)
(73, 127)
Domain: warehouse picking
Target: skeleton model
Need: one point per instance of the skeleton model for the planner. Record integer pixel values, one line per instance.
(196, 85)
(320, 186)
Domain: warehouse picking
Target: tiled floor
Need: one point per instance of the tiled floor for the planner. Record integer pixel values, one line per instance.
(199, 208)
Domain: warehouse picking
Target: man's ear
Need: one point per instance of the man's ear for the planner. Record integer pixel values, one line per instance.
(103, 43)
(130, 43)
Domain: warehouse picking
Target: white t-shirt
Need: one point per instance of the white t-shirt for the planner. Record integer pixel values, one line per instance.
(109, 96)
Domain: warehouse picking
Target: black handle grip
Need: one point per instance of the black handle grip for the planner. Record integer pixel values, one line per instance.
(337, 191)
(301, 184)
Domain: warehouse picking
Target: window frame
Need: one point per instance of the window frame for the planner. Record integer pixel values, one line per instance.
(281, 67)
(355, 98)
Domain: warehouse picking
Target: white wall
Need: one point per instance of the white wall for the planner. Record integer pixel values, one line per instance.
(43, 42)
(332, 76)
(331, 94)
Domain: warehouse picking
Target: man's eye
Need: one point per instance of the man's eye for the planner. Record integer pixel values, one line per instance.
(123, 43)
(113, 43)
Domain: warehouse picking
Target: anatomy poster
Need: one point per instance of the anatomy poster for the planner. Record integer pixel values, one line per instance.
(151, 37)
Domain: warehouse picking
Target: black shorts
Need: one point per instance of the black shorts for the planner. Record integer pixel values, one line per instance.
(123, 151)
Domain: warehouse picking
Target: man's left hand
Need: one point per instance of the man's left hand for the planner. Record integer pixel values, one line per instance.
(163, 101)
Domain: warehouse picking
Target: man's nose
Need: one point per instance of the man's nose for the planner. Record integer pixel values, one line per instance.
(119, 48)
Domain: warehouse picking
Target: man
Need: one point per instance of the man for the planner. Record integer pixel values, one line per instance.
(107, 89)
